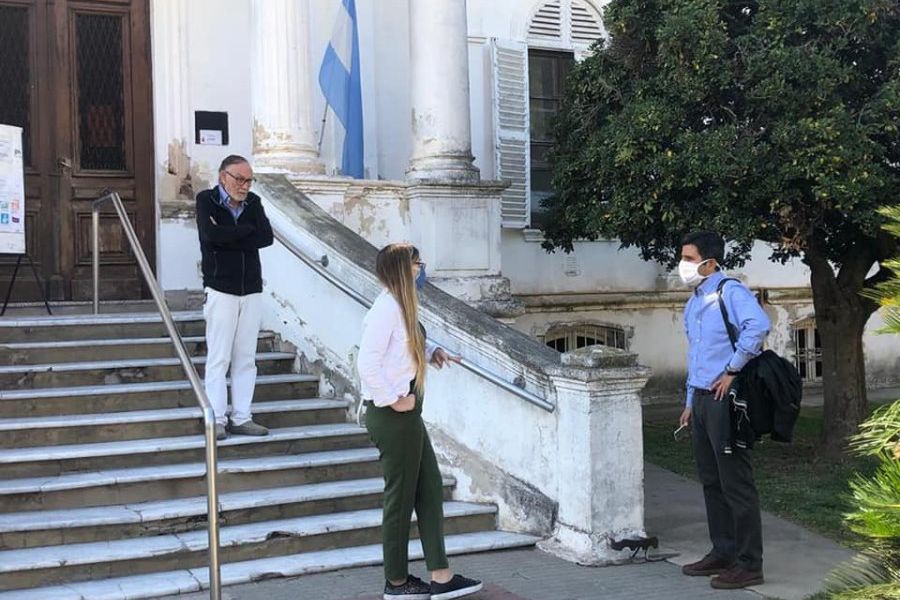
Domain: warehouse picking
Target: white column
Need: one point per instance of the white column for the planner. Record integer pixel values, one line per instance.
(172, 122)
(283, 135)
(441, 130)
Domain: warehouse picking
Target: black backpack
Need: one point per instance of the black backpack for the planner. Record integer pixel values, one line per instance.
(769, 386)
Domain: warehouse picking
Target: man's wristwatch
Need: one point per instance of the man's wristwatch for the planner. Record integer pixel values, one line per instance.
(730, 371)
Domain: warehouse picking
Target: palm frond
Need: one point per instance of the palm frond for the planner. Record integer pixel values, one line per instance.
(864, 570)
(877, 502)
(880, 432)
(883, 591)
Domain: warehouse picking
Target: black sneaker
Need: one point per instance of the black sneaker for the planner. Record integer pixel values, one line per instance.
(457, 587)
(413, 589)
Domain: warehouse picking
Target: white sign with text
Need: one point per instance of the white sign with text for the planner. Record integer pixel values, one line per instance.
(12, 191)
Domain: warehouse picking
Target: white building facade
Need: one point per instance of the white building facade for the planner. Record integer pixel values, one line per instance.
(457, 97)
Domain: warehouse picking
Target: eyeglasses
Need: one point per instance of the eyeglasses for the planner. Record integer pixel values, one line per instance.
(678, 435)
(241, 181)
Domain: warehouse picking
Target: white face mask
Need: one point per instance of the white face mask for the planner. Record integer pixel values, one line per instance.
(688, 271)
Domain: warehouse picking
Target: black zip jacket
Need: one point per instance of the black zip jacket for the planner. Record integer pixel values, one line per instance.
(229, 246)
(764, 397)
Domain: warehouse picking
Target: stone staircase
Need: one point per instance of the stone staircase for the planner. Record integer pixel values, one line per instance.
(102, 473)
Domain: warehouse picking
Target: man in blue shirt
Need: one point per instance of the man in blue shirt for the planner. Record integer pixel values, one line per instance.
(732, 504)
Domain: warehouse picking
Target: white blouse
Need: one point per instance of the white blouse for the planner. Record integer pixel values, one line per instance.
(385, 363)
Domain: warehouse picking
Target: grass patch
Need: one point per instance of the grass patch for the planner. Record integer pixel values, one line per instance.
(793, 480)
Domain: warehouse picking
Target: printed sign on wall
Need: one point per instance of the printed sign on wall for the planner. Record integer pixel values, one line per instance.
(12, 191)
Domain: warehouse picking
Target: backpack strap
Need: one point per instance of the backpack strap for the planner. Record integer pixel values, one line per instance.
(732, 337)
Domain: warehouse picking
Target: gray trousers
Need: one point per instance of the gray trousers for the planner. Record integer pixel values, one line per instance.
(732, 504)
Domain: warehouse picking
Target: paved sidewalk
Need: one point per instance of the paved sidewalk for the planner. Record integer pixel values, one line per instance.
(510, 575)
(795, 561)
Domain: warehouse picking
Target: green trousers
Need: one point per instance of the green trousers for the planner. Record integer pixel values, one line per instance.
(412, 481)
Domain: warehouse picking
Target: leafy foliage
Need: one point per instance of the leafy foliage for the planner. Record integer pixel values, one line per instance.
(766, 120)
(762, 119)
(876, 499)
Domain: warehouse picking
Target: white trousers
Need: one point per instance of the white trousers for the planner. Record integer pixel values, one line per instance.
(232, 329)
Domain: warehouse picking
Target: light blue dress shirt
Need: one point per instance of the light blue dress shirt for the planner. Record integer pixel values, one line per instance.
(709, 349)
(223, 200)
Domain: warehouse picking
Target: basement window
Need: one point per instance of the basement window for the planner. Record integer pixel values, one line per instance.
(572, 338)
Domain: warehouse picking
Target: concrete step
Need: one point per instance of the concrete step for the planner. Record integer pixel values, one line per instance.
(29, 353)
(180, 515)
(138, 396)
(136, 370)
(54, 460)
(80, 327)
(142, 424)
(142, 484)
(29, 567)
(182, 580)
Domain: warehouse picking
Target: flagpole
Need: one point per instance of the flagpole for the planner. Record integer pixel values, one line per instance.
(322, 129)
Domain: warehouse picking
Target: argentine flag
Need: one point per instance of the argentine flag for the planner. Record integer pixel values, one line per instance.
(339, 80)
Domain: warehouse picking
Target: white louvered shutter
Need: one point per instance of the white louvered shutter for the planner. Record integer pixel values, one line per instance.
(547, 22)
(585, 28)
(566, 25)
(512, 152)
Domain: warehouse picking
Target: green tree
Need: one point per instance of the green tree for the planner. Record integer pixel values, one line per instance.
(876, 499)
(766, 120)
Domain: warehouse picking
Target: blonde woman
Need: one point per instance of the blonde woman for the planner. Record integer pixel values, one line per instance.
(393, 358)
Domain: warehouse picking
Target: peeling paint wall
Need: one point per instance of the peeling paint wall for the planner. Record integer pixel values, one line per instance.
(457, 228)
(195, 68)
(656, 334)
(501, 448)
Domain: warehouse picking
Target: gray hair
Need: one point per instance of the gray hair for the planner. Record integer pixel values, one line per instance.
(232, 159)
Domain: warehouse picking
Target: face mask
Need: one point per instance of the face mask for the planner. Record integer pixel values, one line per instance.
(420, 278)
(689, 274)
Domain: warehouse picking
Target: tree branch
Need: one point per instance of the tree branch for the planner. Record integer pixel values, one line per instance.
(855, 265)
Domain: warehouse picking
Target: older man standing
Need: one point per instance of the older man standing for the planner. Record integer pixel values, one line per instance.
(233, 227)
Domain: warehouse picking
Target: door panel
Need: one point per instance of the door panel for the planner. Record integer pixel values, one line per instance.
(94, 58)
(22, 24)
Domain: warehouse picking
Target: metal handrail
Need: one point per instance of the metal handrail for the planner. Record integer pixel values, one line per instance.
(320, 267)
(209, 417)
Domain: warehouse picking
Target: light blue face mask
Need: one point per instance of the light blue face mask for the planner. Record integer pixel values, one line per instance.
(420, 278)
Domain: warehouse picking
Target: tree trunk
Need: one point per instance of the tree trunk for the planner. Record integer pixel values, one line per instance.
(841, 316)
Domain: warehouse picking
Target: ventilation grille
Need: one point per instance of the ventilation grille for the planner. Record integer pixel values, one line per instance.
(547, 23)
(569, 22)
(586, 27)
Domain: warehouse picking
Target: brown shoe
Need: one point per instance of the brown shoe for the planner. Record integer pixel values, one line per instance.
(708, 565)
(737, 577)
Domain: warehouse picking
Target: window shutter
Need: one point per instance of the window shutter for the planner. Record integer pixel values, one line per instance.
(547, 21)
(512, 154)
(566, 24)
(586, 28)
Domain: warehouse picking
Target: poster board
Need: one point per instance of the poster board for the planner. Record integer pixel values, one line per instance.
(12, 191)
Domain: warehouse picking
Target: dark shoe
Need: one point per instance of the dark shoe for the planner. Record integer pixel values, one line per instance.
(457, 587)
(708, 565)
(737, 577)
(221, 432)
(413, 589)
(248, 428)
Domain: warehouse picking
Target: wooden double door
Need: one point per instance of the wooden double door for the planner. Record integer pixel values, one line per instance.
(76, 77)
